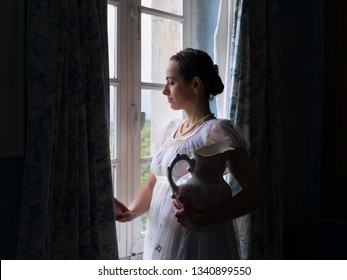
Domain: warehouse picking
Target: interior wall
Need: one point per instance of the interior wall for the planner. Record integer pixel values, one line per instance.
(302, 39)
(334, 133)
(11, 176)
(11, 124)
(11, 103)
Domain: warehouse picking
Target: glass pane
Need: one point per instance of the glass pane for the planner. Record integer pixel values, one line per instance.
(113, 122)
(158, 116)
(115, 187)
(114, 181)
(145, 168)
(146, 106)
(114, 178)
(170, 6)
(112, 39)
(161, 38)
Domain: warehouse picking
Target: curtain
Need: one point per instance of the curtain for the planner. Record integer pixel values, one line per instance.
(67, 207)
(256, 110)
(222, 46)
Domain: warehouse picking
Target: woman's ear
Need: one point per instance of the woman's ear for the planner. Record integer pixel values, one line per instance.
(196, 82)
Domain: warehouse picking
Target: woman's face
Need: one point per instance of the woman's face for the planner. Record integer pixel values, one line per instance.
(179, 92)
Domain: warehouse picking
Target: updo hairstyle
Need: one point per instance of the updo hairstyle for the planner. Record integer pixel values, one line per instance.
(198, 63)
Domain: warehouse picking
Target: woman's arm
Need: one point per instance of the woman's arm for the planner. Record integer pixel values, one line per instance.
(252, 196)
(141, 203)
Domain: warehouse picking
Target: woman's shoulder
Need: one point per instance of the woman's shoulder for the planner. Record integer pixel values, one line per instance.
(221, 121)
(223, 130)
(221, 125)
(173, 125)
(167, 132)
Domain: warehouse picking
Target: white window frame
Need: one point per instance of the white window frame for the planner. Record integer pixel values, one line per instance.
(128, 162)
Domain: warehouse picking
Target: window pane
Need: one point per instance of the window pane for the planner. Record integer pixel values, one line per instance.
(113, 122)
(112, 39)
(114, 178)
(158, 116)
(161, 38)
(116, 193)
(146, 106)
(170, 6)
(145, 168)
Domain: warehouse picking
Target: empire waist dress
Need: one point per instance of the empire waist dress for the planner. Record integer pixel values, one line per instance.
(165, 237)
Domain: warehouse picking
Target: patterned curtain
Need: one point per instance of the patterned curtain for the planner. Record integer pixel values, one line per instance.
(67, 205)
(255, 108)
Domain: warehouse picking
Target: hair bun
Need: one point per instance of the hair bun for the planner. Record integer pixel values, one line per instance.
(216, 68)
(193, 62)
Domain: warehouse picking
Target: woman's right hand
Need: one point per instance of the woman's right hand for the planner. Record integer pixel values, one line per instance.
(187, 216)
(123, 214)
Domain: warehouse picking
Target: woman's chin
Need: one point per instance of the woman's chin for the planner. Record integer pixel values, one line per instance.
(173, 107)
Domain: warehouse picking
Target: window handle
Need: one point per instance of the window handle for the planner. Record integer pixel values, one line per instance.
(138, 120)
(135, 13)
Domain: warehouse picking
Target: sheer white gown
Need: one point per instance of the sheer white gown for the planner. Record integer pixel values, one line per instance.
(165, 237)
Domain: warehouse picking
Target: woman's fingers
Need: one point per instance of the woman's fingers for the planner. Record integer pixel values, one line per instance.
(125, 217)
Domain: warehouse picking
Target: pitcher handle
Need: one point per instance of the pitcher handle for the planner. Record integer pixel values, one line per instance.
(176, 159)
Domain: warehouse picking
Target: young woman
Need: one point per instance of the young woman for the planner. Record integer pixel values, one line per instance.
(176, 230)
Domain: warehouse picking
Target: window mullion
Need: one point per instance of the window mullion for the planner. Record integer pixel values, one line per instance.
(162, 14)
(187, 25)
(134, 111)
(151, 86)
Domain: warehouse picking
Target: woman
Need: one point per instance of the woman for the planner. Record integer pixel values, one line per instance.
(175, 230)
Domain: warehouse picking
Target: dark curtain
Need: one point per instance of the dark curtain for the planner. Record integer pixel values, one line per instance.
(67, 205)
(256, 109)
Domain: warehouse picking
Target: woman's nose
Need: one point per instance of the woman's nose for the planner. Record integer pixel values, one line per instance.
(165, 90)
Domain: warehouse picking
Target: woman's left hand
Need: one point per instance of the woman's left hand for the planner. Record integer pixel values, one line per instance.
(187, 216)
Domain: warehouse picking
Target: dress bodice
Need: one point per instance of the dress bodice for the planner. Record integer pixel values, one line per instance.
(211, 131)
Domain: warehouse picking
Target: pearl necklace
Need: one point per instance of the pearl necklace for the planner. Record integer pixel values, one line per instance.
(199, 122)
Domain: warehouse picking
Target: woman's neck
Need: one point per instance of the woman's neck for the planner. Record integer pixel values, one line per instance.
(193, 123)
(193, 119)
(196, 114)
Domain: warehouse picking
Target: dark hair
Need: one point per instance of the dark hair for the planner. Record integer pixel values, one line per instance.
(198, 63)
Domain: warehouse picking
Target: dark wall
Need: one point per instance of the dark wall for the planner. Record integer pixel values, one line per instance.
(11, 123)
(301, 24)
(11, 176)
(334, 133)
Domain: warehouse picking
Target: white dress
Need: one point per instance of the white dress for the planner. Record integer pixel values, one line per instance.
(165, 237)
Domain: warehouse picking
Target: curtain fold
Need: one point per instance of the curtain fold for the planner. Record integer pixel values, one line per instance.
(67, 205)
(256, 110)
(222, 46)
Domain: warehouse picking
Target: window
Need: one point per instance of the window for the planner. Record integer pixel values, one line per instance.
(143, 34)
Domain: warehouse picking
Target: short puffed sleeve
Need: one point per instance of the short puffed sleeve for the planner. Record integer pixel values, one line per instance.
(165, 133)
(223, 131)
